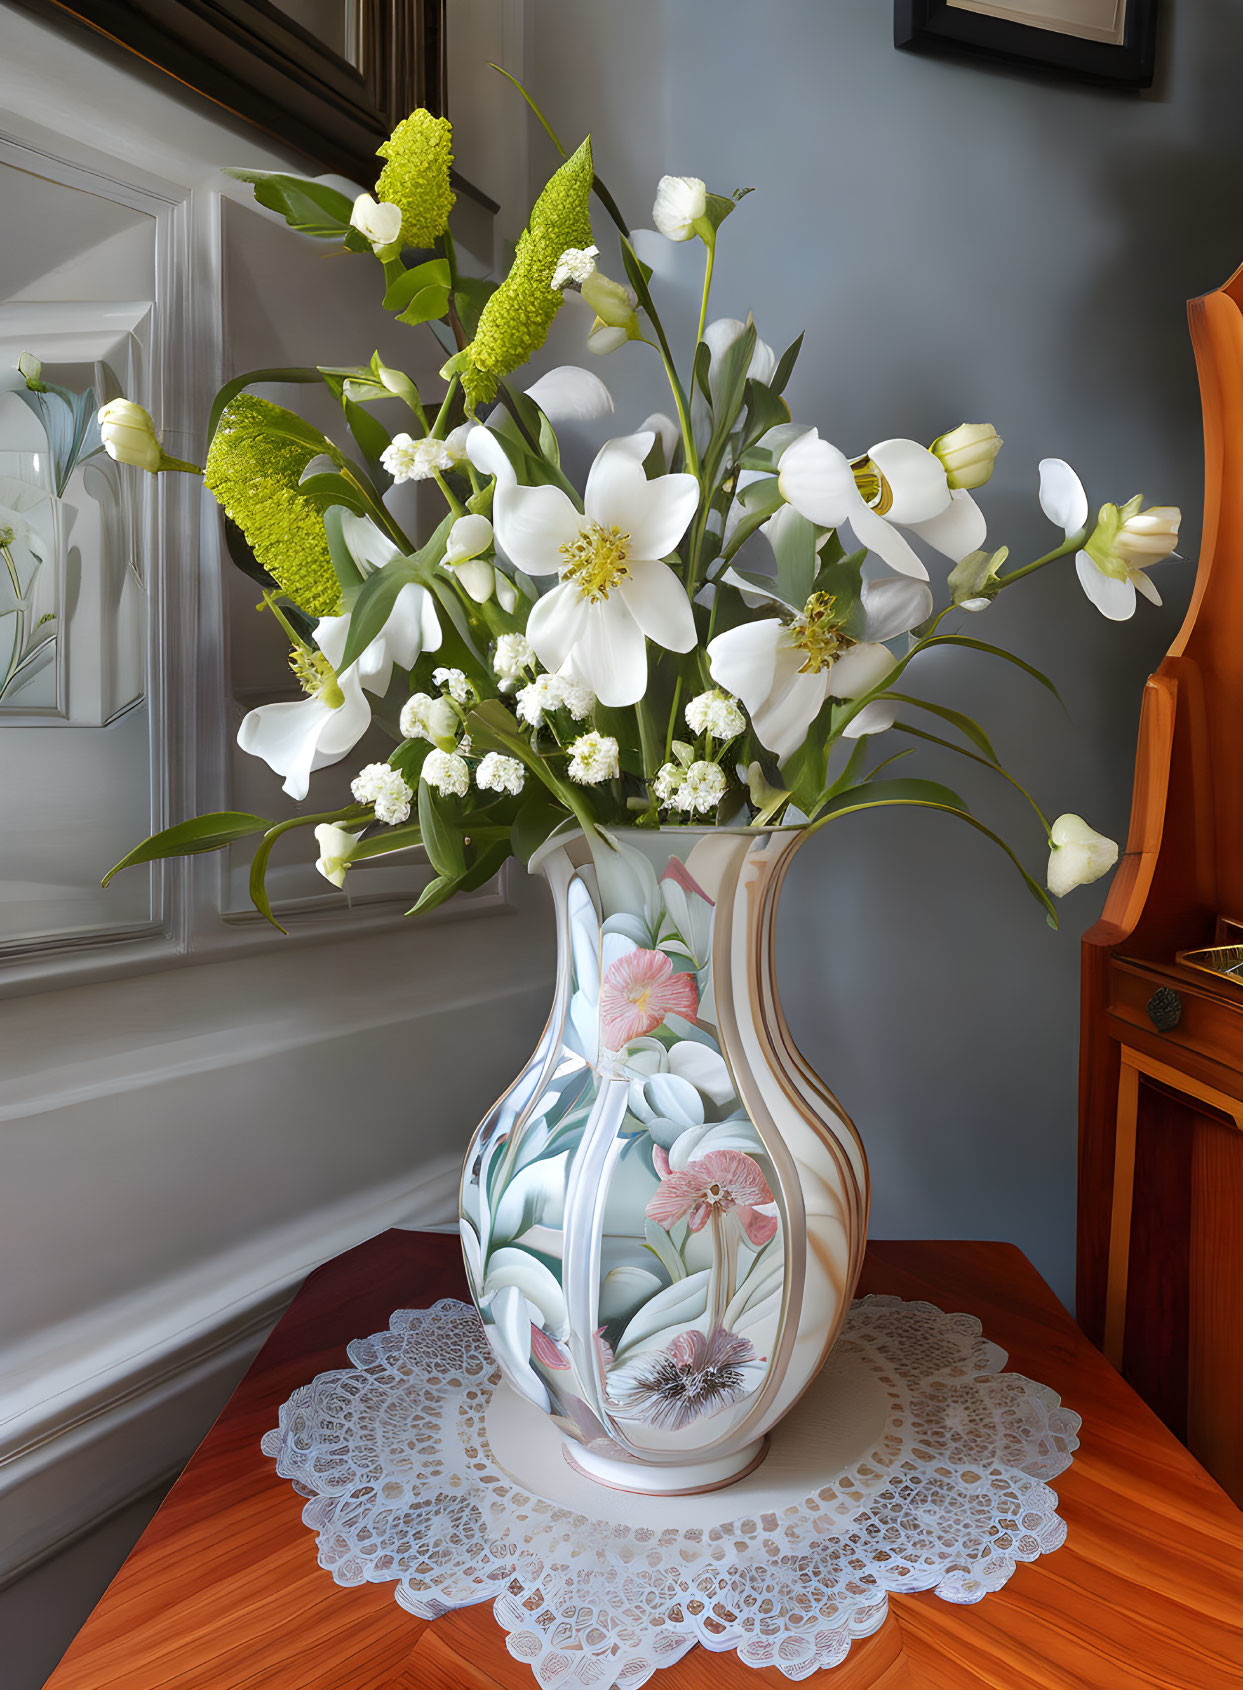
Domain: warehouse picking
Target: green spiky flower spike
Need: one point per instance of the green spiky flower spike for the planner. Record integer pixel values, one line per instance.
(416, 177)
(515, 321)
(253, 469)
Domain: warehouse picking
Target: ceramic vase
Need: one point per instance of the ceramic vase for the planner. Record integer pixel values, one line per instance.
(664, 1217)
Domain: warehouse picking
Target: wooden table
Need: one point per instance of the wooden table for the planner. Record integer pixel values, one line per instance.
(223, 1592)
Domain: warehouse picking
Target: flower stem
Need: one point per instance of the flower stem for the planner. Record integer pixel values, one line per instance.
(451, 498)
(703, 307)
(1072, 543)
(295, 638)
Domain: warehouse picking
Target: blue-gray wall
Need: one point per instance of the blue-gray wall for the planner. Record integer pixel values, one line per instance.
(959, 243)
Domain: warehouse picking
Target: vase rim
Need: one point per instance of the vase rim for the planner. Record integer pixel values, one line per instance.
(566, 834)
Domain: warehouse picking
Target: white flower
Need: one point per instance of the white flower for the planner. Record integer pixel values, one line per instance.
(379, 223)
(967, 452)
(547, 693)
(569, 393)
(514, 654)
(574, 266)
(897, 484)
(616, 320)
(454, 682)
(336, 848)
(715, 713)
(407, 459)
(294, 739)
(1078, 856)
(593, 758)
(719, 336)
(468, 538)
(447, 772)
(497, 773)
(383, 787)
(1123, 544)
(785, 671)
(128, 434)
(668, 782)
(680, 202)
(702, 788)
(425, 717)
(614, 589)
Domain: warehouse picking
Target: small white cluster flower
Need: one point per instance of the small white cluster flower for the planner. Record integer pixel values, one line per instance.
(514, 653)
(702, 788)
(447, 772)
(497, 773)
(716, 713)
(407, 459)
(574, 266)
(593, 759)
(547, 693)
(384, 788)
(667, 783)
(454, 682)
(425, 717)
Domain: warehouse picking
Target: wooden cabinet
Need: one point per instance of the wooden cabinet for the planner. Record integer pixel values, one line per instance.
(1160, 1249)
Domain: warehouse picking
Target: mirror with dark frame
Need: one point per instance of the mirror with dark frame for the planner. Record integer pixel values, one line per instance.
(1107, 41)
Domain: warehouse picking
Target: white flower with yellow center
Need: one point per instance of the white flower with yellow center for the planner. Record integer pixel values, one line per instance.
(614, 591)
(896, 484)
(785, 671)
(498, 773)
(593, 759)
(383, 787)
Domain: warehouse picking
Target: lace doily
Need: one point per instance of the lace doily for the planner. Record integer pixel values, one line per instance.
(912, 1463)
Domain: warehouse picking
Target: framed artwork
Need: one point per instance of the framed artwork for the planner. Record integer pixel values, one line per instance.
(1102, 40)
(330, 77)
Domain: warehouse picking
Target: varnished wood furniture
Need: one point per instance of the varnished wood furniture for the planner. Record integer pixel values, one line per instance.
(223, 1592)
(1160, 1259)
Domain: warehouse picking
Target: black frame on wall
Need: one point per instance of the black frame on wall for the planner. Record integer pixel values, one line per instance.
(256, 62)
(934, 26)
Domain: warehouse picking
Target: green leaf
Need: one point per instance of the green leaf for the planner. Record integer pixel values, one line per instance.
(187, 839)
(311, 207)
(765, 410)
(253, 378)
(434, 273)
(984, 762)
(993, 651)
(539, 815)
(370, 433)
(794, 547)
(785, 365)
(703, 363)
(882, 794)
(731, 380)
(966, 725)
(759, 501)
(348, 572)
(469, 298)
(329, 488)
(489, 860)
(442, 841)
(435, 892)
(406, 836)
(374, 604)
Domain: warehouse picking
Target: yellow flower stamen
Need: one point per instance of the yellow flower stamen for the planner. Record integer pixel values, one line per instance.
(316, 676)
(872, 485)
(815, 632)
(596, 560)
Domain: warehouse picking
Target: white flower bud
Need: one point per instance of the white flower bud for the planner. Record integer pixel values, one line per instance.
(680, 202)
(967, 452)
(336, 848)
(1079, 855)
(425, 717)
(129, 436)
(379, 223)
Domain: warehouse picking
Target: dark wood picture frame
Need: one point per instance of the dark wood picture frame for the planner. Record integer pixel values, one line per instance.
(256, 62)
(934, 26)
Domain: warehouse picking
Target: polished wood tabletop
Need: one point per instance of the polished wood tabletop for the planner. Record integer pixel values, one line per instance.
(223, 1591)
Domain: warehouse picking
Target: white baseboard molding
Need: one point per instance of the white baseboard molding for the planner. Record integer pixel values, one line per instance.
(94, 1413)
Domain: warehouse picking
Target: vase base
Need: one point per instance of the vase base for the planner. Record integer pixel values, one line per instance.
(686, 1479)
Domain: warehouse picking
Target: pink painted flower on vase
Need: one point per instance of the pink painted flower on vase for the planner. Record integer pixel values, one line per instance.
(693, 1376)
(721, 1181)
(638, 991)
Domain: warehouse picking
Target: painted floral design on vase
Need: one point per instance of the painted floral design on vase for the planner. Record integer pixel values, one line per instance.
(663, 1219)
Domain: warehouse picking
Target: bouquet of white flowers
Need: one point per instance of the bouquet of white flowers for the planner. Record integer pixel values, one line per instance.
(716, 629)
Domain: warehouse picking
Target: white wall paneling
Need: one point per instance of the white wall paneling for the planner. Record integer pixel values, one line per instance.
(195, 1110)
